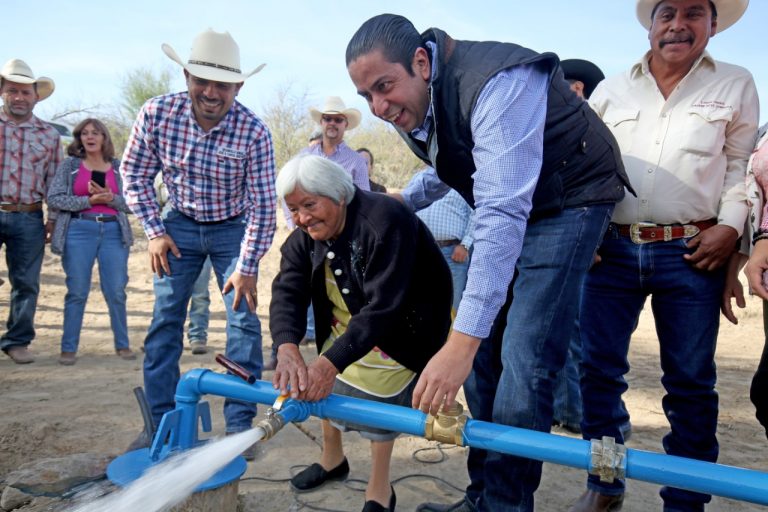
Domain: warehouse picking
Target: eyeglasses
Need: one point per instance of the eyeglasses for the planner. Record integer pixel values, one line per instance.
(334, 119)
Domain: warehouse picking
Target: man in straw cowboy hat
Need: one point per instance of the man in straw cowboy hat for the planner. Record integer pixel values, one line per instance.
(29, 154)
(218, 167)
(686, 125)
(335, 119)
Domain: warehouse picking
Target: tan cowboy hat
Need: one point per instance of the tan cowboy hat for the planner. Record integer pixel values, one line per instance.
(214, 56)
(728, 12)
(16, 70)
(334, 105)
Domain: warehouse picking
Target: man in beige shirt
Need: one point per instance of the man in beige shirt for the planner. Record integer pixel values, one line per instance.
(686, 125)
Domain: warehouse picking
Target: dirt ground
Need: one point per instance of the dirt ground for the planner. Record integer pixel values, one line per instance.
(49, 410)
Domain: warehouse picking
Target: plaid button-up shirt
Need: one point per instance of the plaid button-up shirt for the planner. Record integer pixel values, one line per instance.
(210, 176)
(30, 152)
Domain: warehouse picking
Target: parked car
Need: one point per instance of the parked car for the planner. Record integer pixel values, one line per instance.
(64, 132)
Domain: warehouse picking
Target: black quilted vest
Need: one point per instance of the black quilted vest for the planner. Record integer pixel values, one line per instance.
(581, 160)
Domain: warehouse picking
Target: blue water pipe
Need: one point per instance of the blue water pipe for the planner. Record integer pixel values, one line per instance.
(180, 426)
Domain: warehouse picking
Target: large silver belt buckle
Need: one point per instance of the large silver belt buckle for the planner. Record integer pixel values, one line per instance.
(634, 232)
(690, 230)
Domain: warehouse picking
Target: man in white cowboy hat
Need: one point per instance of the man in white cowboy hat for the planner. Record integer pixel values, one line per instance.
(686, 125)
(335, 119)
(218, 167)
(29, 154)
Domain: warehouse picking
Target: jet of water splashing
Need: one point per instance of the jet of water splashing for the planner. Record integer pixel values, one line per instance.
(170, 482)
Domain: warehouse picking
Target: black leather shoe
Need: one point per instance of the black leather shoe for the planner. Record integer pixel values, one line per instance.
(593, 501)
(375, 506)
(315, 476)
(459, 506)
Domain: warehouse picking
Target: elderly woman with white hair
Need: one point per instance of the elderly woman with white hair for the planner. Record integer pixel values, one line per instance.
(381, 293)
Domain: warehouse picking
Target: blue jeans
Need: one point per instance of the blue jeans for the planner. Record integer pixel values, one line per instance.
(199, 306)
(24, 238)
(514, 369)
(164, 342)
(458, 273)
(567, 393)
(88, 241)
(686, 307)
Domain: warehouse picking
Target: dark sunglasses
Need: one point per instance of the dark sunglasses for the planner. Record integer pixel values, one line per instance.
(334, 119)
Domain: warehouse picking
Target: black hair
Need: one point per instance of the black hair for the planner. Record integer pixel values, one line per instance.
(394, 35)
(366, 150)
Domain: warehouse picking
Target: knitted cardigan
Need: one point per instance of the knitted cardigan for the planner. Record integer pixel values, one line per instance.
(62, 198)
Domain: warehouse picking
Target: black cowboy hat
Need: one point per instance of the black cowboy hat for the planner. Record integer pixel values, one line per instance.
(584, 71)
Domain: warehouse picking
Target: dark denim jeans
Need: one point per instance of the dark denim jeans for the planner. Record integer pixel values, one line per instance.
(686, 307)
(23, 236)
(88, 241)
(164, 341)
(200, 306)
(567, 393)
(514, 370)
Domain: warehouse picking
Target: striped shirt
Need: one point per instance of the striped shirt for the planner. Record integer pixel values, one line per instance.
(508, 131)
(30, 152)
(450, 218)
(210, 176)
(348, 158)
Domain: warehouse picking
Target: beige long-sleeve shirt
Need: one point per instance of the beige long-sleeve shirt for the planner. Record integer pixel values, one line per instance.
(685, 156)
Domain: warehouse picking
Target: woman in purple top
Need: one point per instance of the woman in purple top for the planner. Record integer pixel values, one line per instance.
(91, 226)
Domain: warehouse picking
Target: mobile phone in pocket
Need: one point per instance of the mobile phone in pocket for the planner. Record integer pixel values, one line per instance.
(99, 178)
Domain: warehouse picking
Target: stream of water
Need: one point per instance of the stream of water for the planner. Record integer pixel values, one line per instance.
(170, 482)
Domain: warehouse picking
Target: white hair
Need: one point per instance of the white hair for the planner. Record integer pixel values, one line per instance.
(315, 175)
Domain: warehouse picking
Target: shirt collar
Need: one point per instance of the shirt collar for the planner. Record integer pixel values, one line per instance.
(32, 121)
(422, 132)
(642, 67)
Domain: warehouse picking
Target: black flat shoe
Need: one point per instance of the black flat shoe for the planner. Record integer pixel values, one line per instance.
(375, 506)
(315, 476)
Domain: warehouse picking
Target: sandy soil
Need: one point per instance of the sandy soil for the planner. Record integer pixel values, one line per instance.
(49, 410)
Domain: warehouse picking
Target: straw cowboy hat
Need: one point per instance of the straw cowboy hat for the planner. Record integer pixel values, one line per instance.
(214, 56)
(584, 71)
(16, 70)
(728, 12)
(334, 105)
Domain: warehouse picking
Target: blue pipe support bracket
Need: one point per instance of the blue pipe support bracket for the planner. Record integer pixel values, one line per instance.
(706, 477)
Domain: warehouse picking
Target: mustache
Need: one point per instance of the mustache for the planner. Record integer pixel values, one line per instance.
(665, 42)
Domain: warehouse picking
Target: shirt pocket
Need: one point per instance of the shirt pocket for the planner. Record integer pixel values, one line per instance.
(230, 163)
(623, 123)
(705, 129)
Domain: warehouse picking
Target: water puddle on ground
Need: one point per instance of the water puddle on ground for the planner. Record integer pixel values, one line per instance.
(170, 482)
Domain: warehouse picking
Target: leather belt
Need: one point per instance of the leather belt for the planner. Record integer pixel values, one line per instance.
(646, 232)
(448, 243)
(19, 207)
(97, 217)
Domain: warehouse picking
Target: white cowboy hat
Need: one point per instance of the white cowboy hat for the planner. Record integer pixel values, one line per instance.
(16, 70)
(214, 56)
(334, 105)
(728, 12)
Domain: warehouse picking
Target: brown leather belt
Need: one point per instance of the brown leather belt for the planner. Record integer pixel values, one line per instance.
(448, 243)
(646, 232)
(19, 207)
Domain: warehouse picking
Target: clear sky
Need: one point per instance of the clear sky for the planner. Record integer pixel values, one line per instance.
(88, 46)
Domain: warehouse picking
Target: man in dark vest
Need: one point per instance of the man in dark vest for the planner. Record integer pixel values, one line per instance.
(499, 124)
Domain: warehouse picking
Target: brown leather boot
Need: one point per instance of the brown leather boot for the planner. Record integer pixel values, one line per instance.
(593, 501)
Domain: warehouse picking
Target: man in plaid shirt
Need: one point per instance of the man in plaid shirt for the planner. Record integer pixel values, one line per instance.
(29, 154)
(218, 167)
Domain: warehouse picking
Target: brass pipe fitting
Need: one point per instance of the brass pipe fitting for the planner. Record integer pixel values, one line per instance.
(448, 426)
